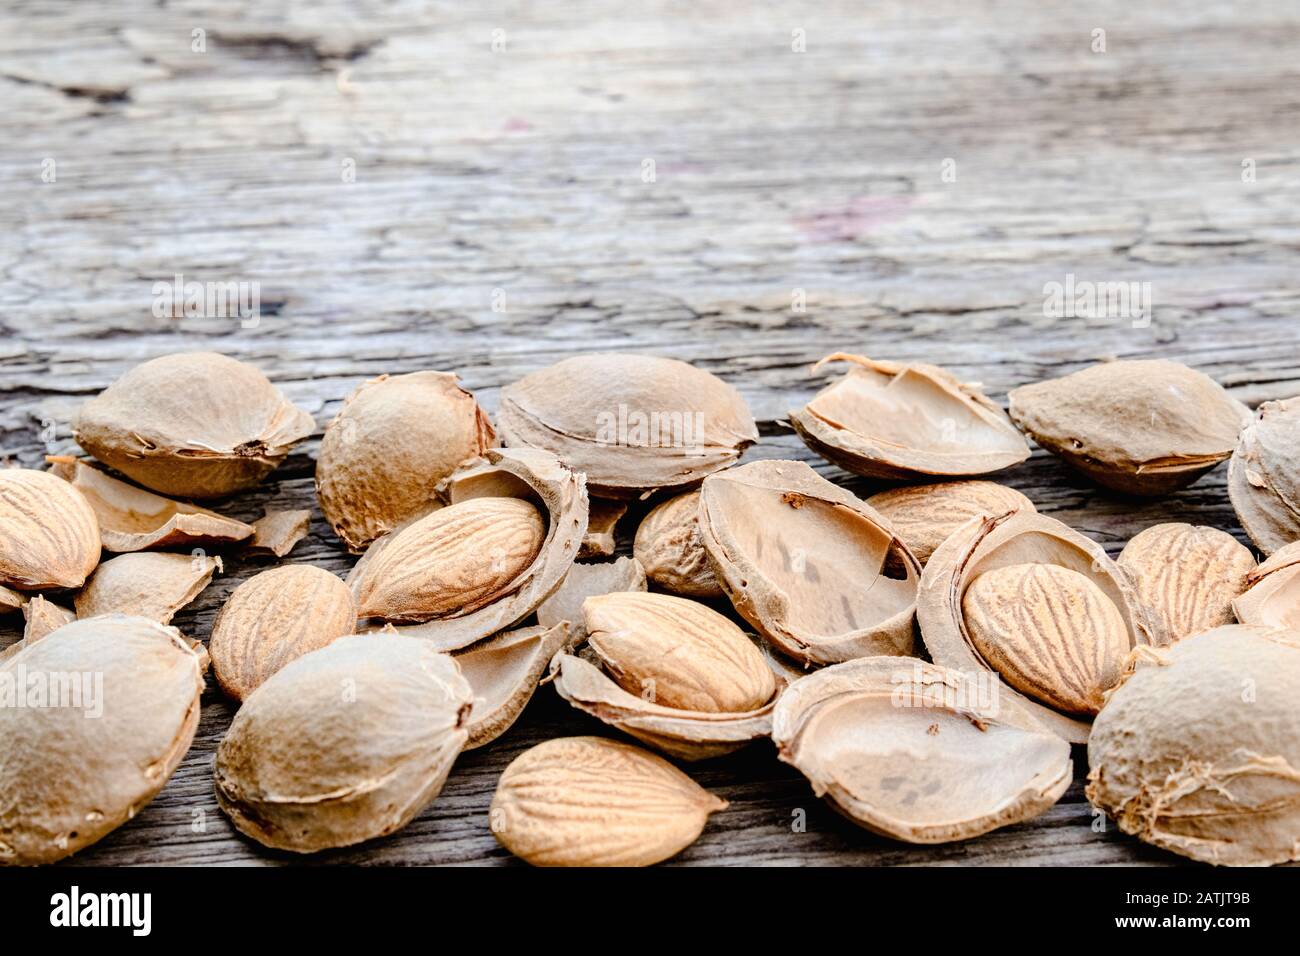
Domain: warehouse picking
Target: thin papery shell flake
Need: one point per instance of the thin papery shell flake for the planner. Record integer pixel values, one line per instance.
(394, 441)
(808, 564)
(896, 420)
(72, 774)
(43, 617)
(1186, 578)
(276, 532)
(49, 537)
(504, 672)
(917, 752)
(924, 515)
(344, 744)
(588, 801)
(535, 477)
(1264, 476)
(152, 584)
(584, 580)
(1198, 751)
(1272, 594)
(631, 423)
(1013, 539)
(192, 425)
(602, 520)
(1139, 427)
(132, 519)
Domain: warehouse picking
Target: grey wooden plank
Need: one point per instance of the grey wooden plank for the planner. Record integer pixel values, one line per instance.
(521, 171)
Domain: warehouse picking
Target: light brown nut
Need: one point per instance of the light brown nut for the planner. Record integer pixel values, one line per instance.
(808, 564)
(276, 532)
(1197, 751)
(988, 544)
(587, 801)
(152, 584)
(273, 618)
(1049, 632)
(1264, 475)
(1272, 595)
(453, 561)
(631, 423)
(677, 653)
(49, 537)
(603, 517)
(1142, 427)
(584, 581)
(344, 744)
(504, 672)
(917, 752)
(132, 519)
(906, 421)
(395, 439)
(683, 734)
(924, 515)
(527, 475)
(1186, 577)
(669, 548)
(582, 679)
(71, 774)
(192, 424)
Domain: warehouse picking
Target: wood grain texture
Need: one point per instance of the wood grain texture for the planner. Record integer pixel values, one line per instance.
(514, 178)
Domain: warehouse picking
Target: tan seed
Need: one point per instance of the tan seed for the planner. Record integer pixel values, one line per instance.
(1186, 577)
(677, 653)
(451, 562)
(276, 617)
(49, 537)
(587, 801)
(1049, 631)
(668, 546)
(924, 515)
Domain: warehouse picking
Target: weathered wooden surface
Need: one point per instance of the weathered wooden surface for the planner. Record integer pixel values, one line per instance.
(514, 178)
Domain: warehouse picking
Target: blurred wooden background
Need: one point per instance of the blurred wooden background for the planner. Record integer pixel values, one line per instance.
(486, 190)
